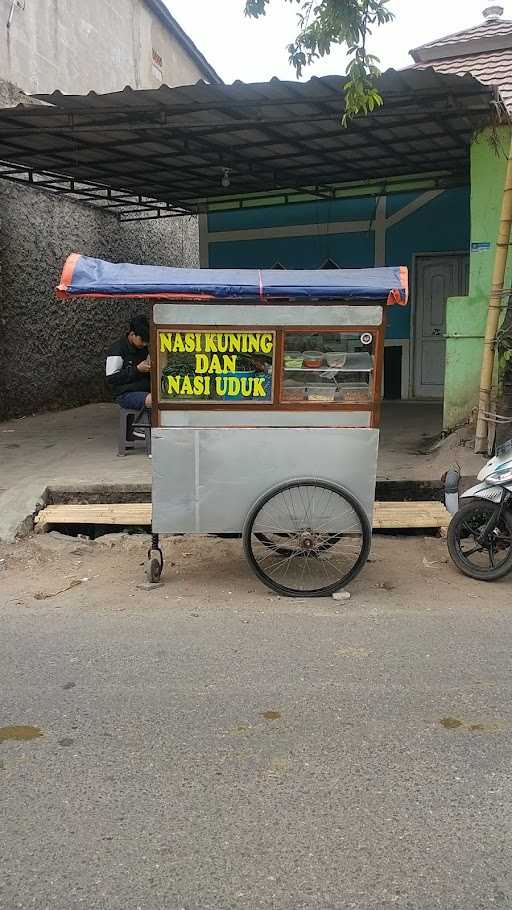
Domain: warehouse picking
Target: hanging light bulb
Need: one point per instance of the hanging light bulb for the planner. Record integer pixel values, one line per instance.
(226, 180)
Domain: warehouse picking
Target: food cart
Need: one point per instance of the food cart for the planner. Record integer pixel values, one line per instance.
(266, 391)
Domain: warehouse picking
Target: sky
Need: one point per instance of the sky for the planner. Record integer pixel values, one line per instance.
(255, 50)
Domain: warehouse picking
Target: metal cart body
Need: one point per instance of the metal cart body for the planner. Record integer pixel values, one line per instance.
(211, 465)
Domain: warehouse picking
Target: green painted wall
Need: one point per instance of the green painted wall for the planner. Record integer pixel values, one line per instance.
(466, 316)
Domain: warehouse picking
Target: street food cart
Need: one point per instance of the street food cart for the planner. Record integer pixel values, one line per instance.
(266, 393)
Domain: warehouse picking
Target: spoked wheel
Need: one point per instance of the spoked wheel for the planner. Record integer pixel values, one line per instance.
(307, 538)
(273, 543)
(478, 552)
(283, 550)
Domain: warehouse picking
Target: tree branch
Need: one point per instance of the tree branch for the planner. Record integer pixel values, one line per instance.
(327, 23)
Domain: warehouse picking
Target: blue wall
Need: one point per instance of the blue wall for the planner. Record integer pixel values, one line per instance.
(347, 250)
(443, 225)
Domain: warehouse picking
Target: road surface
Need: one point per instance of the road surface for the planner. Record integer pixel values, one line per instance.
(208, 746)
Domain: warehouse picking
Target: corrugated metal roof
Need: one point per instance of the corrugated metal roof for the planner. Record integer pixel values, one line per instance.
(168, 148)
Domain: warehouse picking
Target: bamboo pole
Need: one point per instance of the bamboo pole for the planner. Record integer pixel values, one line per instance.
(494, 309)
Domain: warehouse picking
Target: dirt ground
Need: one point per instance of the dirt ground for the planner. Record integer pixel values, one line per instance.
(409, 571)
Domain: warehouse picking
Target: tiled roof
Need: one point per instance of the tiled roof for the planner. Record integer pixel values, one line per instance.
(489, 68)
(495, 28)
(485, 51)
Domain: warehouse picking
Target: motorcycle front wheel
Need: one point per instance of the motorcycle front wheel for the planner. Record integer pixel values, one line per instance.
(485, 557)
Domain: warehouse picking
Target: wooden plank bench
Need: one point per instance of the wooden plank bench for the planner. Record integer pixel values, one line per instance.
(387, 515)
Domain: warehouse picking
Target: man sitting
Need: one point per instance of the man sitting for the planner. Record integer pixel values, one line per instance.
(128, 367)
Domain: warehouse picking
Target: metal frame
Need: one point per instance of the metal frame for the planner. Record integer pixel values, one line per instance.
(161, 153)
(135, 207)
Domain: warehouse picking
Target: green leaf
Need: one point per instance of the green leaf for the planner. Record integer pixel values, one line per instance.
(327, 23)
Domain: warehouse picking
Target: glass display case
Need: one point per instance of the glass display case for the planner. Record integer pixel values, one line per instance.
(329, 367)
(280, 368)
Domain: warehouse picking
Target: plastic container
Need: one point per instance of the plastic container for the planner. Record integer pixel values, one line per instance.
(353, 392)
(321, 391)
(313, 360)
(336, 359)
(294, 391)
(293, 361)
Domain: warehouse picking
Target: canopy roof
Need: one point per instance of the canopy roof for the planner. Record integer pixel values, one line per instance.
(181, 150)
(85, 277)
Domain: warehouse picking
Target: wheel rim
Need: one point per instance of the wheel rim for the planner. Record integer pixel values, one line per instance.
(308, 538)
(483, 555)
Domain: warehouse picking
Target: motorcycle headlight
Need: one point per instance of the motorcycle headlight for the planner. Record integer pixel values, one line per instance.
(500, 476)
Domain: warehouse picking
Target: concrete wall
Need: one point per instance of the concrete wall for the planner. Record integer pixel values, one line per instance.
(82, 45)
(52, 352)
(466, 316)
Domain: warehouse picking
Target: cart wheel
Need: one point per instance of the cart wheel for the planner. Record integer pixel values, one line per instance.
(153, 570)
(272, 543)
(307, 538)
(283, 549)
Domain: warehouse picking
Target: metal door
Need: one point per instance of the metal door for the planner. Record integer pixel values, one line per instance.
(436, 279)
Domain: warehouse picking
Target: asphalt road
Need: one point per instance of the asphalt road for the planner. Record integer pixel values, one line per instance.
(207, 746)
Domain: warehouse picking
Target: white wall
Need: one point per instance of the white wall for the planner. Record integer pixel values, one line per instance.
(82, 45)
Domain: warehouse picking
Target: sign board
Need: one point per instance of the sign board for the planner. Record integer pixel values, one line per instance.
(213, 366)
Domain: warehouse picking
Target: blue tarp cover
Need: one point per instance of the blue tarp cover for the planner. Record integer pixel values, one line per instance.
(83, 276)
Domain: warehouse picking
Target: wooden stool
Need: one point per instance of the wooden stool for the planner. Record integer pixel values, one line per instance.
(127, 440)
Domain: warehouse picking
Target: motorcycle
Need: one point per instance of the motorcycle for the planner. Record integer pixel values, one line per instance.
(480, 532)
